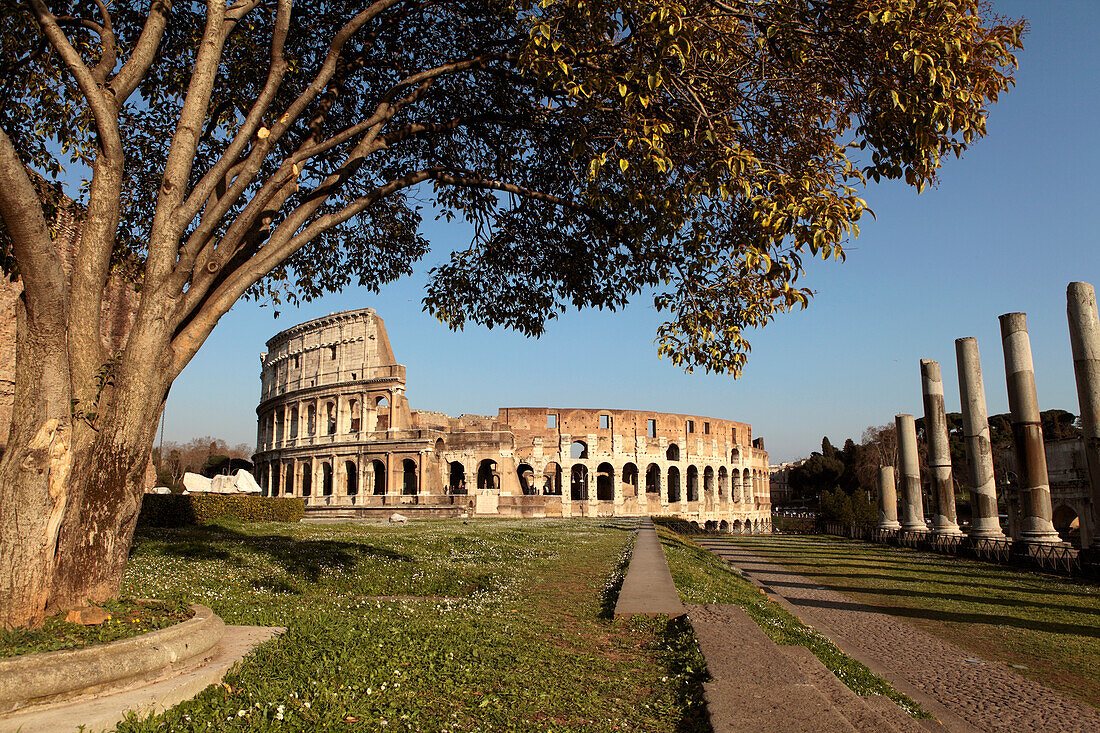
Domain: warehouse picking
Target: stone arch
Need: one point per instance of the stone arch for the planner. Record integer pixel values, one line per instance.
(673, 483)
(410, 480)
(275, 471)
(330, 417)
(311, 420)
(307, 477)
(293, 422)
(630, 478)
(605, 482)
(326, 479)
(379, 469)
(746, 487)
(708, 483)
(578, 482)
(457, 478)
(737, 526)
(578, 450)
(673, 452)
(288, 489)
(351, 478)
(551, 479)
(526, 476)
(653, 479)
(692, 483)
(723, 484)
(1068, 524)
(710, 525)
(355, 416)
(486, 475)
(723, 526)
(735, 455)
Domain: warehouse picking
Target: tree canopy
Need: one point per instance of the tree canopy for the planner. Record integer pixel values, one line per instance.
(698, 150)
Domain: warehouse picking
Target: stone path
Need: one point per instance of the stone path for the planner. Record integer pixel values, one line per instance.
(648, 588)
(963, 692)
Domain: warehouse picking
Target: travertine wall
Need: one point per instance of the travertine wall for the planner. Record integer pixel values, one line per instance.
(335, 426)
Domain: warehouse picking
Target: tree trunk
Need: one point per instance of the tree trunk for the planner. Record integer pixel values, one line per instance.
(71, 481)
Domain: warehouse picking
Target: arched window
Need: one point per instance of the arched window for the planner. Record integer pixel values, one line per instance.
(307, 478)
(708, 484)
(326, 479)
(653, 479)
(410, 485)
(605, 482)
(578, 482)
(551, 479)
(723, 484)
(311, 419)
(526, 476)
(578, 450)
(356, 415)
(379, 469)
(692, 483)
(630, 480)
(330, 418)
(351, 478)
(673, 484)
(457, 483)
(293, 423)
(486, 475)
(673, 452)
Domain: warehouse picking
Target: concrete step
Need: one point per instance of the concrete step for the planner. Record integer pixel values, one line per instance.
(755, 686)
(867, 714)
(648, 589)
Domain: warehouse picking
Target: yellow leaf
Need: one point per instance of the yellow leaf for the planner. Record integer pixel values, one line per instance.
(623, 165)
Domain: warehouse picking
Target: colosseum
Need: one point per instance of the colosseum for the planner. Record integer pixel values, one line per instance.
(335, 428)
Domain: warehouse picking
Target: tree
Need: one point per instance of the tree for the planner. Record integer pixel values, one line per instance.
(279, 150)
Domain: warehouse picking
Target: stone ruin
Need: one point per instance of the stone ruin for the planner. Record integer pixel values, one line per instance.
(335, 427)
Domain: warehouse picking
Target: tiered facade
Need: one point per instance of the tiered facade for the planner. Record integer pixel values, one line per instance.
(335, 427)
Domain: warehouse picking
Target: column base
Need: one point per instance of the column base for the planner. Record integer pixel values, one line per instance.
(914, 527)
(1039, 537)
(889, 525)
(947, 529)
(979, 533)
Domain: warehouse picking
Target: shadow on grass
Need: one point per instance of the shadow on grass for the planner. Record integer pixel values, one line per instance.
(686, 665)
(966, 618)
(960, 597)
(301, 557)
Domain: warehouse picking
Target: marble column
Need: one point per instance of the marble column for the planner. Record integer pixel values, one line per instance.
(1027, 433)
(1084, 338)
(887, 499)
(985, 517)
(944, 520)
(912, 506)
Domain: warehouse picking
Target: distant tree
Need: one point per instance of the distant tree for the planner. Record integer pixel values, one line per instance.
(880, 448)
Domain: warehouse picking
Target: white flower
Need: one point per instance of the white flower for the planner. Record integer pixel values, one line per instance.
(242, 713)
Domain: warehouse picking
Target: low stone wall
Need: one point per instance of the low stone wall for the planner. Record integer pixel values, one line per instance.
(41, 678)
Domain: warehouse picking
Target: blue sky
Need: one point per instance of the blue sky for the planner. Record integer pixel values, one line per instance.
(1010, 225)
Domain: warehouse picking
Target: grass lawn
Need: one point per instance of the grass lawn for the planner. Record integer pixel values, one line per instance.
(701, 577)
(1047, 624)
(440, 625)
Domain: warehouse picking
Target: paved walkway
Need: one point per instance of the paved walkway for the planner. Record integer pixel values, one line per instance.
(960, 690)
(648, 588)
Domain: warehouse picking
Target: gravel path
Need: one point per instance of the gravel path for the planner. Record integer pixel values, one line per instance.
(987, 695)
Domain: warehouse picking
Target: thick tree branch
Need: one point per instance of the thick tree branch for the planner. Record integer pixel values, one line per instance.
(145, 51)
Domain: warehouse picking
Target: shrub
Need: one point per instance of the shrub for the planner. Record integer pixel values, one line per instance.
(180, 510)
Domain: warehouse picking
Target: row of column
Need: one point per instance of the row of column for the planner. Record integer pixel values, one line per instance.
(291, 420)
(1036, 526)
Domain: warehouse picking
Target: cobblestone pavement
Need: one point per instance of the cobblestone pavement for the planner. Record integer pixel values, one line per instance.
(987, 695)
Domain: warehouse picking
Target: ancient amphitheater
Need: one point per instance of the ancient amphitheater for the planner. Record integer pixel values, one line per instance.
(335, 427)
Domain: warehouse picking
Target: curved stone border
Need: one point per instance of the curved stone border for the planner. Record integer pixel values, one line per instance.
(38, 678)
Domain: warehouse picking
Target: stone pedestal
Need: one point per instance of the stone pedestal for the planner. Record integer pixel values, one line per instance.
(1084, 338)
(887, 499)
(1027, 433)
(912, 506)
(944, 521)
(984, 520)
